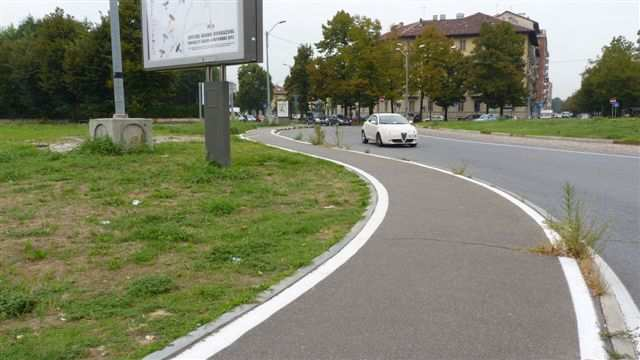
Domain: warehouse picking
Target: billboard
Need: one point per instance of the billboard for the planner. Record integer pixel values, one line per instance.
(196, 33)
(283, 109)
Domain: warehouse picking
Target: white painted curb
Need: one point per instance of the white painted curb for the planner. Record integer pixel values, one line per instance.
(591, 344)
(227, 335)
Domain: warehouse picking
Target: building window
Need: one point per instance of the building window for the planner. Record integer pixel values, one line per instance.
(462, 45)
(476, 106)
(461, 106)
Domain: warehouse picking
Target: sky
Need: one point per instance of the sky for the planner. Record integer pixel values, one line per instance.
(577, 29)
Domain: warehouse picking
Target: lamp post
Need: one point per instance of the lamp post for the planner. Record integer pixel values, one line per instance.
(116, 54)
(405, 51)
(268, 114)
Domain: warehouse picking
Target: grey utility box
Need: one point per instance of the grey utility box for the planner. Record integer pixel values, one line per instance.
(216, 122)
(124, 131)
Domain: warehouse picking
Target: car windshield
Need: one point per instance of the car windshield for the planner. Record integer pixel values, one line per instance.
(392, 120)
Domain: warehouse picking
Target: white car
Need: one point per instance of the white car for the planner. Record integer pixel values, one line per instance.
(487, 117)
(389, 129)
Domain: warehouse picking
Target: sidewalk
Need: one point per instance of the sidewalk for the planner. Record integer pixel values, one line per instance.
(446, 276)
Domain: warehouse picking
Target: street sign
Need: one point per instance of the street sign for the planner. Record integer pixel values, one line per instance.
(283, 109)
(196, 33)
(613, 101)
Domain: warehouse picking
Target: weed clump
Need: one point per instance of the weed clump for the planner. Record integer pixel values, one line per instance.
(578, 236)
(104, 146)
(15, 302)
(151, 285)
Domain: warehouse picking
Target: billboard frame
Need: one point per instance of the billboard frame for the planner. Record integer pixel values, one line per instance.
(250, 42)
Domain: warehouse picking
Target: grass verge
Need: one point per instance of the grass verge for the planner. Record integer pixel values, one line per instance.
(623, 131)
(109, 254)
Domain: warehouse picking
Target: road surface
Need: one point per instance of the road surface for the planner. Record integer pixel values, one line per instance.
(609, 184)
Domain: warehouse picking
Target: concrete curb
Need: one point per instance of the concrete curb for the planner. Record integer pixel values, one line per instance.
(180, 345)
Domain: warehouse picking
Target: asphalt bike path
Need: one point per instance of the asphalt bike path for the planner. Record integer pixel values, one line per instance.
(447, 275)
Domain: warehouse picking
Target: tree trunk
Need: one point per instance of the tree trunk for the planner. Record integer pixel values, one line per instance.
(501, 110)
(421, 104)
(393, 108)
(446, 113)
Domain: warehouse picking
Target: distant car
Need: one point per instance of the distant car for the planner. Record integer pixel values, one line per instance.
(487, 117)
(546, 114)
(584, 116)
(249, 118)
(389, 129)
(321, 120)
(566, 114)
(437, 117)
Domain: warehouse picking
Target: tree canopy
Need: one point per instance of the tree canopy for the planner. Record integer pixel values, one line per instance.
(252, 92)
(60, 68)
(497, 75)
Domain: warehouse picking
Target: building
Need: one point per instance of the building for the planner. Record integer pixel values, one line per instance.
(543, 86)
(464, 31)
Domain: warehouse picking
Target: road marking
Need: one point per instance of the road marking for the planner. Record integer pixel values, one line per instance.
(227, 335)
(532, 147)
(590, 343)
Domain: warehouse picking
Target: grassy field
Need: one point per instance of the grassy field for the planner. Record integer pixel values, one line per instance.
(113, 256)
(620, 130)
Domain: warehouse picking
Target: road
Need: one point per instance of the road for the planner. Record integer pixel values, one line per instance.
(608, 184)
(447, 275)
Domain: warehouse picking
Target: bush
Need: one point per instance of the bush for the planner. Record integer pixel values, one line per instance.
(15, 302)
(151, 285)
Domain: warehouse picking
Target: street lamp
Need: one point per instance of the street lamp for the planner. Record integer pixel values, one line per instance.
(405, 51)
(268, 114)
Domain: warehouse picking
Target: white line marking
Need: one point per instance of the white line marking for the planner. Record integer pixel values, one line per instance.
(226, 336)
(590, 342)
(532, 147)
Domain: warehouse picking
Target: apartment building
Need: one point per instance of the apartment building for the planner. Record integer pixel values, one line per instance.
(464, 30)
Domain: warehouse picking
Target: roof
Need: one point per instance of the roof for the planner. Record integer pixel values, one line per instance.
(467, 26)
(536, 26)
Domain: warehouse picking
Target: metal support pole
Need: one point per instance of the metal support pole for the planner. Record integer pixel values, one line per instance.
(116, 55)
(406, 84)
(268, 112)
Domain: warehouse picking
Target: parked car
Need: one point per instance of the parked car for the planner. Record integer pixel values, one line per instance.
(566, 114)
(321, 120)
(389, 129)
(487, 117)
(546, 114)
(437, 117)
(249, 118)
(584, 116)
(471, 117)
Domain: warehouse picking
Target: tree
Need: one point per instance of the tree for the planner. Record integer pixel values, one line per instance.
(390, 63)
(252, 92)
(438, 70)
(497, 75)
(298, 83)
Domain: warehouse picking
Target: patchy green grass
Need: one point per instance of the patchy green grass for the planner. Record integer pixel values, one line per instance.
(625, 131)
(84, 273)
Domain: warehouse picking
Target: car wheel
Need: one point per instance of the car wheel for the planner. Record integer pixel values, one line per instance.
(379, 140)
(364, 138)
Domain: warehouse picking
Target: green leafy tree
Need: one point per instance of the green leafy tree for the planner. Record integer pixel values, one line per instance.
(390, 63)
(615, 74)
(438, 70)
(298, 83)
(497, 75)
(252, 92)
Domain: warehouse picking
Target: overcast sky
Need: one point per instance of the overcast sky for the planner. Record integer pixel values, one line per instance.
(577, 29)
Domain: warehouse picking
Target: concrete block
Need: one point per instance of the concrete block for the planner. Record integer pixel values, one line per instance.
(126, 132)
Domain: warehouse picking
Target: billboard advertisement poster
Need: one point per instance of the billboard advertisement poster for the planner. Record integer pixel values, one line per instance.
(196, 33)
(283, 109)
